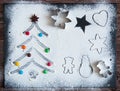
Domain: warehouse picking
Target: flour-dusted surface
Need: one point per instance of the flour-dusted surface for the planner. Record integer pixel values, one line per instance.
(68, 42)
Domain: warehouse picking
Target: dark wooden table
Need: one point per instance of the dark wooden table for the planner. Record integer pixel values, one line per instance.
(59, 1)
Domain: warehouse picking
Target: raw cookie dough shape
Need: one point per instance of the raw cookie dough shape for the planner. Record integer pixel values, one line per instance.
(85, 69)
(61, 18)
(68, 66)
(104, 70)
(98, 43)
(98, 18)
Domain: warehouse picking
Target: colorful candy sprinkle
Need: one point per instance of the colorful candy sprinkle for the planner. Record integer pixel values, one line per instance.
(28, 54)
(47, 50)
(49, 64)
(40, 34)
(27, 33)
(45, 71)
(23, 47)
(21, 72)
(17, 63)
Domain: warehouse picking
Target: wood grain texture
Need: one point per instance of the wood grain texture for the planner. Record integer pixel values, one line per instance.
(59, 1)
(63, 1)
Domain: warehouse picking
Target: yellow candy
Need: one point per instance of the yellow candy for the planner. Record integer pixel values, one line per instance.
(17, 63)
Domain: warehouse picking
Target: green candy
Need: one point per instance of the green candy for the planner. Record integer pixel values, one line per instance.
(47, 50)
(45, 71)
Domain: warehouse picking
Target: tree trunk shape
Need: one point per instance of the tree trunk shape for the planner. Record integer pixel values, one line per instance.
(85, 69)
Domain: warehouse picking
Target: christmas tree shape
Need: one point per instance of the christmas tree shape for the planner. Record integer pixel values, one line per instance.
(38, 54)
(23, 45)
(20, 69)
(28, 53)
(34, 20)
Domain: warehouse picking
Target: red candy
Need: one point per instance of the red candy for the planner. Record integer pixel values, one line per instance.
(27, 33)
(49, 64)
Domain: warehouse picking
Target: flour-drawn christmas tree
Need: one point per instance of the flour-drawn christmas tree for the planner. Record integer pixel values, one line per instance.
(28, 53)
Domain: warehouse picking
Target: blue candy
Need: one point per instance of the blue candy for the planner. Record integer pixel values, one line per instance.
(21, 72)
(40, 34)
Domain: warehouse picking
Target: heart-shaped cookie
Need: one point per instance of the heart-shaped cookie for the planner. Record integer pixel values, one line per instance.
(100, 18)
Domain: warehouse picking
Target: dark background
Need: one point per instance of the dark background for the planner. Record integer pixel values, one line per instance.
(59, 89)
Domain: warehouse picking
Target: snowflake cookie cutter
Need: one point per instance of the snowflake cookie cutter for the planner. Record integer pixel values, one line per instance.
(60, 18)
